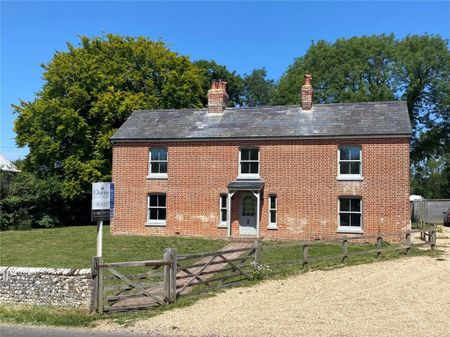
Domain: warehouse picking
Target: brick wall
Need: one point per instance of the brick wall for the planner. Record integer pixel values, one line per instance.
(302, 173)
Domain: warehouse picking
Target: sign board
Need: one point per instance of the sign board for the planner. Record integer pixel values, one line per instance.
(102, 201)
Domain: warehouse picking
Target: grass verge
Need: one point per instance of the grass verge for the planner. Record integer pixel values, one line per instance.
(65, 317)
(30, 314)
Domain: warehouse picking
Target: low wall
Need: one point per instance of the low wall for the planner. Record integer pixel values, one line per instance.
(46, 286)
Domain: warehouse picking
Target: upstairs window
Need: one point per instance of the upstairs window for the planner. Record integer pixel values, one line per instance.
(350, 214)
(158, 163)
(350, 161)
(156, 209)
(249, 163)
(272, 211)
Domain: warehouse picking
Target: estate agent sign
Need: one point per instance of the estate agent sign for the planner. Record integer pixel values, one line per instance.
(102, 201)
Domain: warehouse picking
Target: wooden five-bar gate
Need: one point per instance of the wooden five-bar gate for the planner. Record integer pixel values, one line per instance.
(138, 285)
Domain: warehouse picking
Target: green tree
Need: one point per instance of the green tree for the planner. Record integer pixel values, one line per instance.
(424, 72)
(258, 89)
(210, 71)
(432, 179)
(28, 202)
(358, 69)
(88, 92)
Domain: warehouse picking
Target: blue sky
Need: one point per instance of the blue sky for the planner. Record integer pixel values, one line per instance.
(242, 36)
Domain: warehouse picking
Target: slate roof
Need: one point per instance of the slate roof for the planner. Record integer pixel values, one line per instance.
(324, 120)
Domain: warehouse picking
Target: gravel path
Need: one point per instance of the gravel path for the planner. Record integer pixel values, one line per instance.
(404, 297)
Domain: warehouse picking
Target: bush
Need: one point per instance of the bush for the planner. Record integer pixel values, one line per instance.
(28, 202)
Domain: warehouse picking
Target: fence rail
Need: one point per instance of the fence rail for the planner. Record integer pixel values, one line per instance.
(137, 285)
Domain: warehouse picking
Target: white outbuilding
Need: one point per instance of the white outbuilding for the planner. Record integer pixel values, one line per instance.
(6, 165)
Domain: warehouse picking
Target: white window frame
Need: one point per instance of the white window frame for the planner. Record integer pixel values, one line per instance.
(152, 175)
(272, 225)
(223, 223)
(249, 175)
(350, 229)
(344, 176)
(155, 222)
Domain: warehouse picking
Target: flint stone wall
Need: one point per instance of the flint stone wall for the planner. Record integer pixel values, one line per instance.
(62, 287)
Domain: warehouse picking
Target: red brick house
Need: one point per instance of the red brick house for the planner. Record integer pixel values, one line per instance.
(282, 172)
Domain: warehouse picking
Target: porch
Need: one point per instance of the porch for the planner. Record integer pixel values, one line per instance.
(244, 208)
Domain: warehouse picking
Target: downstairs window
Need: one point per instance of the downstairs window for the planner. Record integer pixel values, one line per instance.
(350, 214)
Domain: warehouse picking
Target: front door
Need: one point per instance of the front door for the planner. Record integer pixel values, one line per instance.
(247, 220)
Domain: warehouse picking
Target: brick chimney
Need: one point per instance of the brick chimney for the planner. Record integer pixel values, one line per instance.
(217, 97)
(307, 93)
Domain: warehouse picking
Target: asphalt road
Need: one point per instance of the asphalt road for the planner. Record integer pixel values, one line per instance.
(20, 331)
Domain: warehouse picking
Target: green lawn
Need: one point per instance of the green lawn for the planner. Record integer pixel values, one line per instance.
(74, 247)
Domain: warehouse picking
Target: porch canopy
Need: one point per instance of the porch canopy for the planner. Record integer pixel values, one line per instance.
(253, 186)
(245, 185)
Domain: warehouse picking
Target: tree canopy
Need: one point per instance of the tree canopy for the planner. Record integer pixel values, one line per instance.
(258, 89)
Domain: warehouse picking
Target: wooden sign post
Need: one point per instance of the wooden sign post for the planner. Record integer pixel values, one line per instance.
(102, 209)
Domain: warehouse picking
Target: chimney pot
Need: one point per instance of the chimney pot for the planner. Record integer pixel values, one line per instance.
(217, 97)
(307, 93)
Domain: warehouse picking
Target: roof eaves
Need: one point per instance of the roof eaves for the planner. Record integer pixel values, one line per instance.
(204, 139)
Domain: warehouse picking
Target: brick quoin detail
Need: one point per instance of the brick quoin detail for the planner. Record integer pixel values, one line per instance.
(302, 173)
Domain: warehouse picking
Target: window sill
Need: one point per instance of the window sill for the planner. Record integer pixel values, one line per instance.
(248, 177)
(272, 226)
(350, 230)
(156, 224)
(161, 176)
(350, 177)
(222, 225)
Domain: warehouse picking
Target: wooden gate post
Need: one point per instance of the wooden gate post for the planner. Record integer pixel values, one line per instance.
(258, 253)
(432, 236)
(379, 242)
(344, 249)
(408, 241)
(94, 293)
(305, 256)
(173, 275)
(98, 284)
(167, 270)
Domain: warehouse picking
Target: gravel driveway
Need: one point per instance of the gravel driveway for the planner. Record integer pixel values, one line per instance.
(404, 297)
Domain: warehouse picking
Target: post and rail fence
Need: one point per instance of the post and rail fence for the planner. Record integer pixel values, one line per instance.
(138, 285)
(359, 246)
